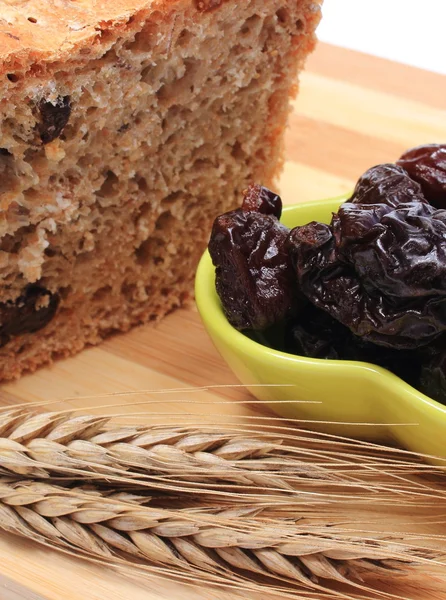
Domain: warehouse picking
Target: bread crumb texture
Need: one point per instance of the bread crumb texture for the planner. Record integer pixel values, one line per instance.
(126, 126)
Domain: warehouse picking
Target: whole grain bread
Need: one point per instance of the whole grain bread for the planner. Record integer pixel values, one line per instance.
(126, 126)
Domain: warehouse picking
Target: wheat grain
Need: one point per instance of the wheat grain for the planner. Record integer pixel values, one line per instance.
(282, 476)
(208, 462)
(109, 526)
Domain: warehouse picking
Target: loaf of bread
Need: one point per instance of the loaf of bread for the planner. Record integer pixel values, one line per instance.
(126, 126)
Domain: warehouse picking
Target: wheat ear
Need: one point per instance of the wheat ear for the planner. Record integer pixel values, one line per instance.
(186, 459)
(110, 526)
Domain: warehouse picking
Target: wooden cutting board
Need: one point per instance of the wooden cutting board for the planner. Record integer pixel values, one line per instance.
(353, 111)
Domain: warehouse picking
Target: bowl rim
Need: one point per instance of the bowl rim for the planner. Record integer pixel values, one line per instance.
(211, 311)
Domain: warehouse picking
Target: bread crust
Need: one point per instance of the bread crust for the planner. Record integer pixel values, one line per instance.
(44, 32)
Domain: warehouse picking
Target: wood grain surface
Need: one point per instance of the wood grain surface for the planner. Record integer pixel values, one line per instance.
(353, 111)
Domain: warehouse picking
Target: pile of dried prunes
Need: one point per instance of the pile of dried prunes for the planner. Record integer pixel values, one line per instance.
(369, 286)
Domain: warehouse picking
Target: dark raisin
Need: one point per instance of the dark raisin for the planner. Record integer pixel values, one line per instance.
(254, 276)
(4, 152)
(427, 166)
(53, 118)
(260, 199)
(32, 311)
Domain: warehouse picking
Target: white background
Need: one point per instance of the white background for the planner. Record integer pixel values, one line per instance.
(408, 31)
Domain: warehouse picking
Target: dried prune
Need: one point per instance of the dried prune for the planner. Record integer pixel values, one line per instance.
(53, 118)
(400, 252)
(32, 311)
(333, 284)
(386, 184)
(427, 166)
(315, 334)
(260, 199)
(378, 192)
(380, 267)
(254, 276)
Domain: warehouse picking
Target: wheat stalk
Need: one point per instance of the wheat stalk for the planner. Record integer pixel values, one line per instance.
(283, 476)
(206, 462)
(213, 541)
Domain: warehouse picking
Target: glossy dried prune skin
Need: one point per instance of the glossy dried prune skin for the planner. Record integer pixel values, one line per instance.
(32, 311)
(387, 184)
(260, 199)
(427, 166)
(331, 283)
(53, 118)
(402, 254)
(380, 267)
(254, 276)
(378, 192)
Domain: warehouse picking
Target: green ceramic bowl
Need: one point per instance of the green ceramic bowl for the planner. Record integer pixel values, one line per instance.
(358, 399)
